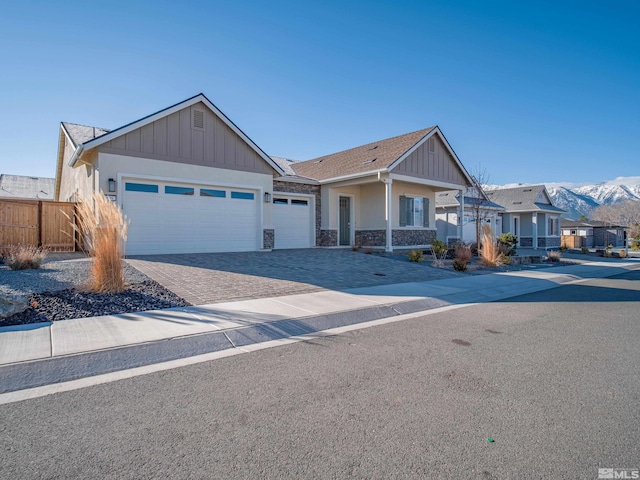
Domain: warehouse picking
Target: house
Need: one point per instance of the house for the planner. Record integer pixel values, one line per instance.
(21, 187)
(190, 180)
(592, 234)
(529, 214)
(476, 207)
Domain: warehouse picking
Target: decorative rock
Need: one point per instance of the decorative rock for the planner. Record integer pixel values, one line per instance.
(12, 304)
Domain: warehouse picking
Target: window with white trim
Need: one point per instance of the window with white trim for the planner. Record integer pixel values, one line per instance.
(414, 211)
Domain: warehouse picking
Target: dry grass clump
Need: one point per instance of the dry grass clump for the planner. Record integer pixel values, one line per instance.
(21, 257)
(554, 256)
(490, 255)
(104, 230)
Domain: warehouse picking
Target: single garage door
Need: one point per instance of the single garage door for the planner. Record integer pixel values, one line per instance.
(292, 221)
(180, 218)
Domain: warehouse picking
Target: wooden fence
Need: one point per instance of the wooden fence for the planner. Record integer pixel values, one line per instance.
(37, 223)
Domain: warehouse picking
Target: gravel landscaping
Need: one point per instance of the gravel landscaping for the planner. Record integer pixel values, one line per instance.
(55, 292)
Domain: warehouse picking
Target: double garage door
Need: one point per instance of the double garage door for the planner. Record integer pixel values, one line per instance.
(166, 217)
(177, 218)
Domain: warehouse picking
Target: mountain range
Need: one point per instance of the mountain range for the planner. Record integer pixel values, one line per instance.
(581, 199)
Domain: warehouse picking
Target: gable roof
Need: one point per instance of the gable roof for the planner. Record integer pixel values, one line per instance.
(92, 141)
(20, 186)
(566, 223)
(79, 134)
(366, 159)
(523, 199)
(451, 198)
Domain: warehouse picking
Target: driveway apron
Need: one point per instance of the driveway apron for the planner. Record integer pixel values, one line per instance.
(206, 278)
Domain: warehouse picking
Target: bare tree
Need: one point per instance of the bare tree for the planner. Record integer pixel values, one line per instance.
(476, 199)
(625, 213)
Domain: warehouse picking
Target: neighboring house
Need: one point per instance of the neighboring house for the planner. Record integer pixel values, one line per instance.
(592, 234)
(529, 214)
(190, 180)
(23, 187)
(476, 206)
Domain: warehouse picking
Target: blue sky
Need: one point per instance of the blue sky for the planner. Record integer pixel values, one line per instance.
(530, 91)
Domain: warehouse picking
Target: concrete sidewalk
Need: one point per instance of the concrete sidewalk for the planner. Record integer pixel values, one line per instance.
(68, 337)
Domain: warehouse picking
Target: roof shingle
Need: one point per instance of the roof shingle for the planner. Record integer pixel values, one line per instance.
(371, 157)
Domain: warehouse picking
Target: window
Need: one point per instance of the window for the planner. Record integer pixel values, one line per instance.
(299, 202)
(280, 201)
(552, 226)
(207, 192)
(140, 187)
(178, 190)
(242, 195)
(414, 211)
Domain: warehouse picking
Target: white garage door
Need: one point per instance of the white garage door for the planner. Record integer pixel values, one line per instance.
(179, 218)
(292, 221)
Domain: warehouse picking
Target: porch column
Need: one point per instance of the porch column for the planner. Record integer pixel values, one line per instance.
(388, 215)
(534, 227)
(461, 216)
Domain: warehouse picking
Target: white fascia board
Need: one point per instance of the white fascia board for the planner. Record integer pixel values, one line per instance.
(66, 134)
(352, 176)
(436, 130)
(427, 182)
(168, 111)
(305, 181)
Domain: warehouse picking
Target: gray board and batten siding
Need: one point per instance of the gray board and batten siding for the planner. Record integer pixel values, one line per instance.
(189, 137)
(432, 161)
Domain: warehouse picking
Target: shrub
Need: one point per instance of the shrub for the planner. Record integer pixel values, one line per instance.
(439, 252)
(584, 250)
(104, 230)
(368, 251)
(459, 265)
(19, 257)
(355, 248)
(635, 244)
(416, 256)
(507, 243)
(490, 255)
(622, 254)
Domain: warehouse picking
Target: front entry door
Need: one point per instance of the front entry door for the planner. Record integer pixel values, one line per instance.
(345, 221)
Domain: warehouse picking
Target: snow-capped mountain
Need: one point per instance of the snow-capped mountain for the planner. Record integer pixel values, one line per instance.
(581, 199)
(608, 194)
(574, 203)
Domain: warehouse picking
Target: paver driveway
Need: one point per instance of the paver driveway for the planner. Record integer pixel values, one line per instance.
(205, 278)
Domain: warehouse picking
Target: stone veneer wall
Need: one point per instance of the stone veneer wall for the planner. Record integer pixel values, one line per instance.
(371, 238)
(327, 238)
(527, 242)
(412, 237)
(293, 187)
(268, 238)
(546, 242)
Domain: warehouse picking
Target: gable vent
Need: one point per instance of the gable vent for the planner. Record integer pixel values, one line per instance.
(198, 119)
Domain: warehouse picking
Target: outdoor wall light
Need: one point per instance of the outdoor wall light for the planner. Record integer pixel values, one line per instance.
(267, 197)
(112, 185)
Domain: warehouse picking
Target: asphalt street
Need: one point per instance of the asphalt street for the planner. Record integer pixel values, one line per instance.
(551, 377)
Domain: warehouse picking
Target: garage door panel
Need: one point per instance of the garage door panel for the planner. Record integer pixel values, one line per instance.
(172, 223)
(293, 222)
